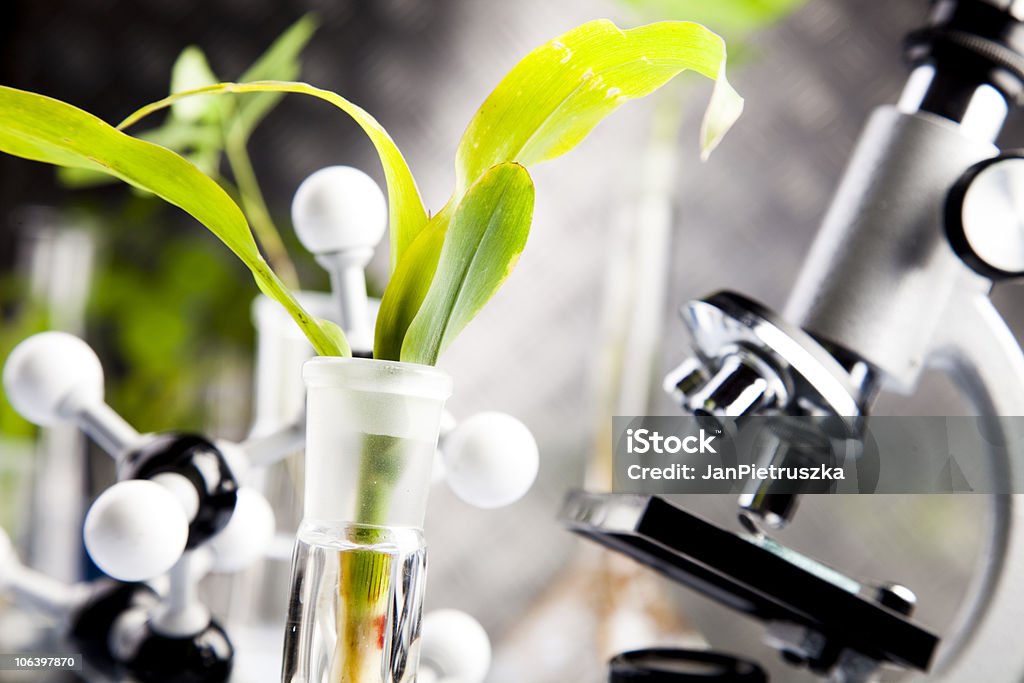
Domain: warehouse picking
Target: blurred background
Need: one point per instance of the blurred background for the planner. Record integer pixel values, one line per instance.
(628, 227)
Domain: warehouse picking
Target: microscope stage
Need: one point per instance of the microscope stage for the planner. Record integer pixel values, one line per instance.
(749, 573)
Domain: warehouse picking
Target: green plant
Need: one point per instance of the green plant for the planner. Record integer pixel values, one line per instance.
(445, 266)
(162, 302)
(543, 108)
(210, 130)
(30, 317)
(734, 19)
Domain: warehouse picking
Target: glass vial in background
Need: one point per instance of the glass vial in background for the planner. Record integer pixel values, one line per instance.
(360, 559)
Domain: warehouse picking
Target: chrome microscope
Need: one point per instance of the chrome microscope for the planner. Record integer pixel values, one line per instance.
(925, 220)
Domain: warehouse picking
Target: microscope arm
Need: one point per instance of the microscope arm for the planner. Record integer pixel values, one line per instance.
(979, 352)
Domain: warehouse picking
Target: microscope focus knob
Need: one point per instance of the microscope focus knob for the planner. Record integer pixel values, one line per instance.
(455, 648)
(985, 216)
(49, 375)
(490, 460)
(136, 530)
(339, 208)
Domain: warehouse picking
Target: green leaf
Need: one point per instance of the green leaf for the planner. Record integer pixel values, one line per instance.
(558, 93)
(408, 287)
(543, 108)
(191, 71)
(734, 19)
(175, 135)
(405, 208)
(47, 130)
(194, 130)
(279, 63)
(487, 234)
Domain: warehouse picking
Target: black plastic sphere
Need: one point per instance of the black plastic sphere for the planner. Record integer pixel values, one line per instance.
(205, 657)
(201, 462)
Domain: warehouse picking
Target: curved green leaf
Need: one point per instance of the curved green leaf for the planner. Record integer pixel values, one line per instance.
(192, 141)
(279, 63)
(191, 70)
(43, 129)
(406, 213)
(734, 19)
(558, 93)
(195, 129)
(543, 108)
(487, 234)
(408, 287)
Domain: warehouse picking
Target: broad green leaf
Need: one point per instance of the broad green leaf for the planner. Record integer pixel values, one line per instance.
(191, 71)
(43, 129)
(734, 19)
(334, 333)
(408, 287)
(81, 178)
(542, 109)
(558, 93)
(175, 135)
(487, 234)
(406, 213)
(279, 63)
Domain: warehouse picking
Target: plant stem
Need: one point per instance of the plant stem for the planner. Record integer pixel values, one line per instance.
(256, 209)
(365, 575)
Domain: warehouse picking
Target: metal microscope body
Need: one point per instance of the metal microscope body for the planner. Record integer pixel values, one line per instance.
(884, 292)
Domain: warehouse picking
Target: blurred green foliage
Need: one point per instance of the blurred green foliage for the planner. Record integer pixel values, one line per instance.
(163, 317)
(209, 131)
(21, 317)
(167, 303)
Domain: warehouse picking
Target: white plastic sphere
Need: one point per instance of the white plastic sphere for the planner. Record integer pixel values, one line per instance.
(339, 208)
(455, 646)
(247, 535)
(136, 530)
(490, 460)
(49, 374)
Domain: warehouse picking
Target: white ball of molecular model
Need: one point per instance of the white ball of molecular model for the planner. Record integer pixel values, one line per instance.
(136, 530)
(490, 459)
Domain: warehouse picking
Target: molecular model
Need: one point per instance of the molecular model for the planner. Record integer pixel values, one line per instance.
(182, 506)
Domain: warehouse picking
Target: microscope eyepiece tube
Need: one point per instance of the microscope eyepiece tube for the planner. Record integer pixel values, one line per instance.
(968, 64)
(881, 270)
(980, 109)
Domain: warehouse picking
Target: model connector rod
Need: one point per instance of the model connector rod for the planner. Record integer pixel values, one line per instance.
(340, 215)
